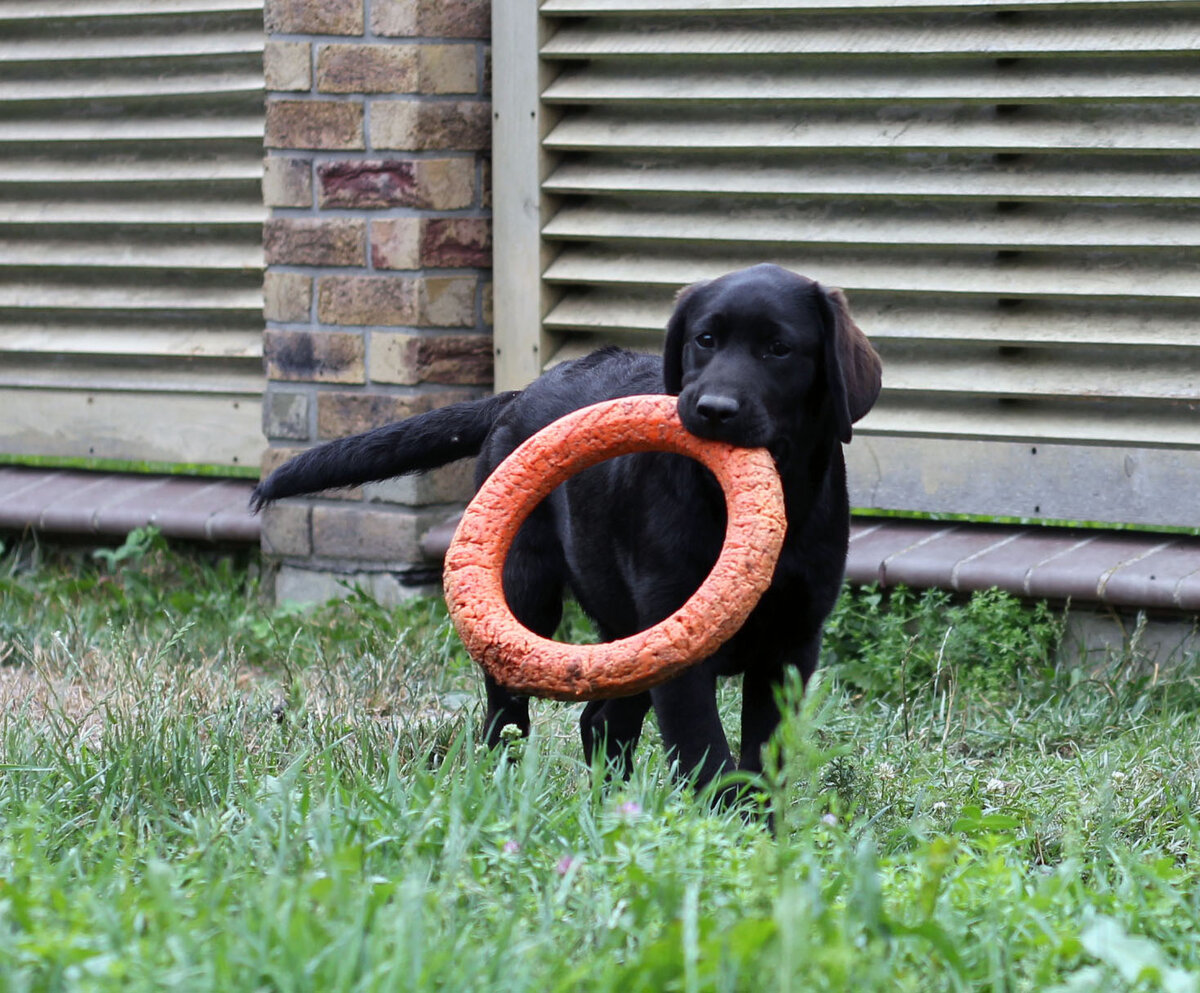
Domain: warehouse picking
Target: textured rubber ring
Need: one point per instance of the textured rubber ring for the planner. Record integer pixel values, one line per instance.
(527, 663)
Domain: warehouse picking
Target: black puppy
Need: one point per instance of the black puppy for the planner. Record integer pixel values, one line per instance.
(759, 357)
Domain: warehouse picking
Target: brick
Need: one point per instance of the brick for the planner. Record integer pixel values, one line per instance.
(461, 125)
(396, 243)
(304, 586)
(308, 587)
(487, 313)
(287, 182)
(334, 241)
(446, 184)
(395, 587)
(287, 529)
(485, 183)
(457, 359)
(447, 302)
(394, 358)
(368, 300)
(324, 124)
(287, 296)
(428, 184)
(447, 69)
(313, 16)
(314, 356)
(409, 359)
(450, 242)
(432, 18)
(273, 458)
(295, 585)
(342, 414)
(389, 183)
(371, 535)
(391, 300)
(368, 69)
(453, 483)
(287, 65)
(285, 415)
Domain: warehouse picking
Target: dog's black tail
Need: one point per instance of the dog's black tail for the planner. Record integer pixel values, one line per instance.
(415, 444)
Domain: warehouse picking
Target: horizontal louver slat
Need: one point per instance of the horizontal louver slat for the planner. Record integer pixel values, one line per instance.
(44, 90)
(819, 225)
(158, 342)
(123, 47)
(1167, 34)
(143, 131)
(38, 10)
(63, 296)
(875, 180)
(620, 311)
(1108, 424)
(130, 230)
(1028, 132)
(949, 276)
(75, 175)
(209, 254)
(79, 374)
(712, 84)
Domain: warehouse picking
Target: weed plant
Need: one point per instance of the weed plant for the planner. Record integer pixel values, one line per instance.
(202, 793)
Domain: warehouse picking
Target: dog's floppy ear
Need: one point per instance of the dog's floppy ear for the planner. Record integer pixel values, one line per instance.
(673, 346)
(852, 366)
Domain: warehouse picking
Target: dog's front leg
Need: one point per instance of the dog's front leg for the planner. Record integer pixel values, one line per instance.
(760, 715)
(760, 702)
(616, 727)
(686, 709)
(504, 709)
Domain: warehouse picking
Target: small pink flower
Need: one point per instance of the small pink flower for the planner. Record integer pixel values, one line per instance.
(564, 865)
(511, 847)
(631, 808)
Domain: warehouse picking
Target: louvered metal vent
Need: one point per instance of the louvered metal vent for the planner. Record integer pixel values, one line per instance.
(1007, 191)
(130, 230)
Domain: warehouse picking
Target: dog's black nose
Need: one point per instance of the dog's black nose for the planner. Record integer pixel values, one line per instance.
(717, 409)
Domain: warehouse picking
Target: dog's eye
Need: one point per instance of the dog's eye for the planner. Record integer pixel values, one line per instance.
(706, 339)
(779, 349)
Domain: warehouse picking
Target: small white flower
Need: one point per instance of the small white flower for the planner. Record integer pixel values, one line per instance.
(829, 820)
(940, 807)
(885, 770)
(1118, 776)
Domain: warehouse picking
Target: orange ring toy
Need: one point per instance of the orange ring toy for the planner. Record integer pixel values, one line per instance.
(529, 664)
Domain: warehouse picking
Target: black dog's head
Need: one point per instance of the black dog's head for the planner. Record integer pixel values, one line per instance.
(754, 354)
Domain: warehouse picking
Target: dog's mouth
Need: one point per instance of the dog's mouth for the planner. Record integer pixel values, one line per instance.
(722, 418)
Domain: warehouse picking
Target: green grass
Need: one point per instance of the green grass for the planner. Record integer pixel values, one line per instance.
(201, 793)
(94, 464)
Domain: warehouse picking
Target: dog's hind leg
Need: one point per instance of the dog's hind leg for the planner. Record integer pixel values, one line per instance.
(616, 726)
(533, 586)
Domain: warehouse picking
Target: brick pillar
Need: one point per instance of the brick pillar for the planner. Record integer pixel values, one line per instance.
(378, 248)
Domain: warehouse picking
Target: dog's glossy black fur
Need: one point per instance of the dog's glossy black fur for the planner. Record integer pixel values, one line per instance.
(760, 357)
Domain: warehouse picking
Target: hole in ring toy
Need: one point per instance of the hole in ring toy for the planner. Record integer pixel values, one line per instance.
(527, 663)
